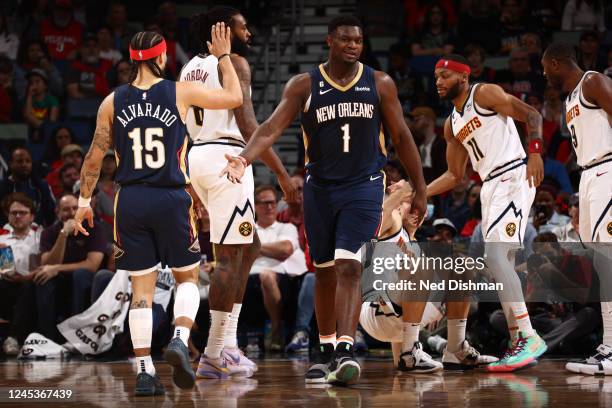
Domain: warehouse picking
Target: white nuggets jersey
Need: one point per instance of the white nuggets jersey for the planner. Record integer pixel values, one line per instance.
(589, 125)
(204, 124)
(490, 138)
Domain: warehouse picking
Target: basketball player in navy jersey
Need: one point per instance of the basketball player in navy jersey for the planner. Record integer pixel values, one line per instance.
(154, 222)
(343, 106)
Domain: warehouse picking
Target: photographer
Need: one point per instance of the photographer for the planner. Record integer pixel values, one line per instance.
(545, 217)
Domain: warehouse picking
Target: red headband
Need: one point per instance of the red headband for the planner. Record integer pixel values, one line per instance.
(453, 66)
(143, 55)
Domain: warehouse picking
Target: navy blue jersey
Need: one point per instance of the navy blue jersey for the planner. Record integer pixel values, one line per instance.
(150, 136)
(342, 127)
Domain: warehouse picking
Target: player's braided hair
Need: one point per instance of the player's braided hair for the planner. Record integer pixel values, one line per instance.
(201, 24)
(143, 41)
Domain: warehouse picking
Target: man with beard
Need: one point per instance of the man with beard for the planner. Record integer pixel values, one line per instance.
(588, 115)
(481, 127)
(215, 134)
(343, 105)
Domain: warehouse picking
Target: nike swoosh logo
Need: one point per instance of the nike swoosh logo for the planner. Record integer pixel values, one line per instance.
(504, 180)
(601, 174)
(321, 92)
(372, 178)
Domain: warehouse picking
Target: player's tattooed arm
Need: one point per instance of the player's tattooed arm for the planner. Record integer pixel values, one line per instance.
(102, 141)
(247, 123)
(597, 89)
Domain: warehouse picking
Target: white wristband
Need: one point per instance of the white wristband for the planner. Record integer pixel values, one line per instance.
(84, 202)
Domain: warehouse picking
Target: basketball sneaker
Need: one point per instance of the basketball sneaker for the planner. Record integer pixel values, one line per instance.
(418, 361)
(344, 369)
(523, 354)
(148, 385)
(360, 345)
(213, 368)
(466, 358)
(237, 364)
(177, 355)
(299, 343)
(598, 364)
(318, 372)
(10, 346)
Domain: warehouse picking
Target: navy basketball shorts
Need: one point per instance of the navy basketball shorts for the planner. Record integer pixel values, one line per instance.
(340, 217)
(153, 225)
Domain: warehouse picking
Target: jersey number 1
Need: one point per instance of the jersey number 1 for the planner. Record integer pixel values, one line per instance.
(345, 137)
(475, 149)
(155, 155)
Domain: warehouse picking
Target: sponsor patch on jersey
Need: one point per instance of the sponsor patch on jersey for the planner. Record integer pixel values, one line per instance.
(245, 229)
(195, 247)
(117, 252)
(609, 228)
(510, 229)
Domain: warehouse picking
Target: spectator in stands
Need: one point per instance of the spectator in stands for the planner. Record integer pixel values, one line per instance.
(588, 56)
(416, 13)
(545, 15)
(409, 84)
(34, 54)
(431, 146)
(556, 172)
(473, 201)
(545, 217)
(570, 231)
(71, 154)
(435, 39)
(24, 240)
(9, 42)
(40, 106)
(22, 180)
(69, 175)
(533, 44)
(68, 266)
(8, 96)
(519, 80)
(475, 55)
(455, 206)
(512, 26)
(477, 25)
(445, 231)
(105, 208)
(583, 15)
(61, 32)
(279, 241)
(120, 74)
(555, 133)
(87, 78)
(175, 53)
(117, 21)
(107, 46)
(61, 137)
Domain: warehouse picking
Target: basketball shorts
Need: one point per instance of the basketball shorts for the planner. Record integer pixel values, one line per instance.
(595, 203)
(381, 321)
(340, 217)
(506, 200)
(153, 225)
(229, 205)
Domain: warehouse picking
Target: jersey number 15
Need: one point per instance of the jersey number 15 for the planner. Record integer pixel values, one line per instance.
(154, 150)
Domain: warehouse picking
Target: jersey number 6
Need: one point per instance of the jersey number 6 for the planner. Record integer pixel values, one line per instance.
(155, 153)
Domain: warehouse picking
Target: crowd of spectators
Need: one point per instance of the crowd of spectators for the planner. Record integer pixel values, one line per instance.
(57, 62)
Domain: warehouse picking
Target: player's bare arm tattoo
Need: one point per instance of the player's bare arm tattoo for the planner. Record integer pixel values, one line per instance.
(534, 125)
(140, 304)
(245, 114)
(91, 167)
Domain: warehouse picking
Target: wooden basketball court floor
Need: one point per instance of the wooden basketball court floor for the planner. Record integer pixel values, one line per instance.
(279, 383)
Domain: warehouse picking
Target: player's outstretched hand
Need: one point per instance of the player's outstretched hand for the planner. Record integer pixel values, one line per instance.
(535, 169)
(221, 40)
(289, 187)
(234, 169)
(83, 213)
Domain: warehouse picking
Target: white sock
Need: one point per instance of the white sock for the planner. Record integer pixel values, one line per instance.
(183, 333)
(145, 365)
(522, 318)
(232, 327)
(456, 334)
(216, 335)
(186, 300)
(141, 327)
(345, 339)
(606, 317)
(328, 339)
(410, 335)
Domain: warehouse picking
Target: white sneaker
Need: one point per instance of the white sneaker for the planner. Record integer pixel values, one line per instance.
(236, 358)
(466, 358)
(598, 364)
(437, 343)
(418, 361)
(10, 346)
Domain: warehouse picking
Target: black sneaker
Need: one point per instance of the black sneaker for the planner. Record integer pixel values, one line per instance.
(177, 356)
(148, 385)
(344, 369)
(317, 373)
